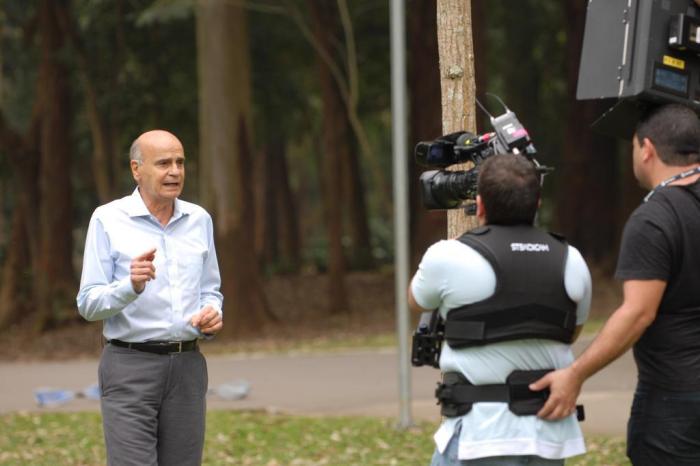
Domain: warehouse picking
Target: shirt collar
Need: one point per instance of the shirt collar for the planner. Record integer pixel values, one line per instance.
(137, 208)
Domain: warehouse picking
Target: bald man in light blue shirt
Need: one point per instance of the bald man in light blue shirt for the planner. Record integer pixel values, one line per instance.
(150, 273)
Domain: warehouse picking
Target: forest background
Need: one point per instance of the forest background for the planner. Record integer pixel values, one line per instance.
(284, 110)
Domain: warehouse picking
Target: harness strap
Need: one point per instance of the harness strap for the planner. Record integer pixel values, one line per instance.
(475, 393)
(456, 394)
(476, 330)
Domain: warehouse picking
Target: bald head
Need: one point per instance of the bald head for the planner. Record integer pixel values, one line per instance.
(152, 140)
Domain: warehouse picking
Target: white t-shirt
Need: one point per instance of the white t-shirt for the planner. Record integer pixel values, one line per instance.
(452, 274)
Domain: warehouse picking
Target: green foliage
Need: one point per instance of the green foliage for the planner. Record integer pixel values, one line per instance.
(148, 81)
(254, 438)
(141, 57)
(288, 107)
(283, 76)
(19, 60)
(526, 51)
(164, 11)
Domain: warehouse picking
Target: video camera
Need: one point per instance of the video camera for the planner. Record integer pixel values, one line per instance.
(443, 189)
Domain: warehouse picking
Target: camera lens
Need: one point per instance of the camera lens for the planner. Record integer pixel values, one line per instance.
(448, 189)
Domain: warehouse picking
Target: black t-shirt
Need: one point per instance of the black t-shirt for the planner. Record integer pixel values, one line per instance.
(661, 241)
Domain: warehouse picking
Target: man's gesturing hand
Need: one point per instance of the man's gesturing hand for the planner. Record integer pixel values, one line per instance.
(142, 270)
(208, 320)
(564, 386)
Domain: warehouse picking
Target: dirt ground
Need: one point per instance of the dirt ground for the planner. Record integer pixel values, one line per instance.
(300, 302)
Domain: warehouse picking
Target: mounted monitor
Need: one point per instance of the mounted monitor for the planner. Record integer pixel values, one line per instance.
(642, 52)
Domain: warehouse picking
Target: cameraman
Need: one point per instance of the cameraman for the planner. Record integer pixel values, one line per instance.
(504, 272)
(659, 264)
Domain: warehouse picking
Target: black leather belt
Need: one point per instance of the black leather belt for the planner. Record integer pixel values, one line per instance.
(158, 347)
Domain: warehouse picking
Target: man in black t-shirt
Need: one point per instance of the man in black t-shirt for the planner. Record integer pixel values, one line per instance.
(659, 264)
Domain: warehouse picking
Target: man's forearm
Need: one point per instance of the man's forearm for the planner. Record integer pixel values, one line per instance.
(99, 302)
(624, 327)
(620, 333)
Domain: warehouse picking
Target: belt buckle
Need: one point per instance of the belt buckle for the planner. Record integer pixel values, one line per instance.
(179, 346)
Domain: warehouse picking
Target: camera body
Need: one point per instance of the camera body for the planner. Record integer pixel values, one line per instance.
(427, 340)
(442, 189)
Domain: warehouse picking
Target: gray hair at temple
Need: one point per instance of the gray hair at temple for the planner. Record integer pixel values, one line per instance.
(135, 152)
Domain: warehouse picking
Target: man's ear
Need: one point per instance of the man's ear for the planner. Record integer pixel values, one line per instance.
(480, 210)
(134, 164)
(648, 149)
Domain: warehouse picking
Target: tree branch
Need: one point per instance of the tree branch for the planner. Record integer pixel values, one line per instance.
(100, 147)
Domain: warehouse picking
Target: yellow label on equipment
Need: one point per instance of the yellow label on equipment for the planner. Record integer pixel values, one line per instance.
(674, 62)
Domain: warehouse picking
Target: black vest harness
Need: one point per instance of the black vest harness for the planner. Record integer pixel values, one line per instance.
(530, 300)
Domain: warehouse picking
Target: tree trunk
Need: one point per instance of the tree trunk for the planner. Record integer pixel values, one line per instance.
(427, 226)
(335, 147)
(17, 295)
(266, 219)
(356, 208)
(590, 164)
(288, 218)
(53, 275)
(226, 171)
(278, 223)
(455, 46)
(101, 155)
(12, 306)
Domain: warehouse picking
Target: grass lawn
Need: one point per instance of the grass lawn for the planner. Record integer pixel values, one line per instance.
(252, 438)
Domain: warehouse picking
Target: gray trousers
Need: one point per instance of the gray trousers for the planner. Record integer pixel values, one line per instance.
(153, 407)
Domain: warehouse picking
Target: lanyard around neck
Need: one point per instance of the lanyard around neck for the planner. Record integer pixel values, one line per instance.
(666, 182)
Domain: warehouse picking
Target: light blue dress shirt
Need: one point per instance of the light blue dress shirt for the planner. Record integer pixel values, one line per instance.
(187, 272)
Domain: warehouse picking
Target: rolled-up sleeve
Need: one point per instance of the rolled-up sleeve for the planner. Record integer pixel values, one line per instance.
(100, 295)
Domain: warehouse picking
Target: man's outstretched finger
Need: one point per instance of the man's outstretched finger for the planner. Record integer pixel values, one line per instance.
(146, 256)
